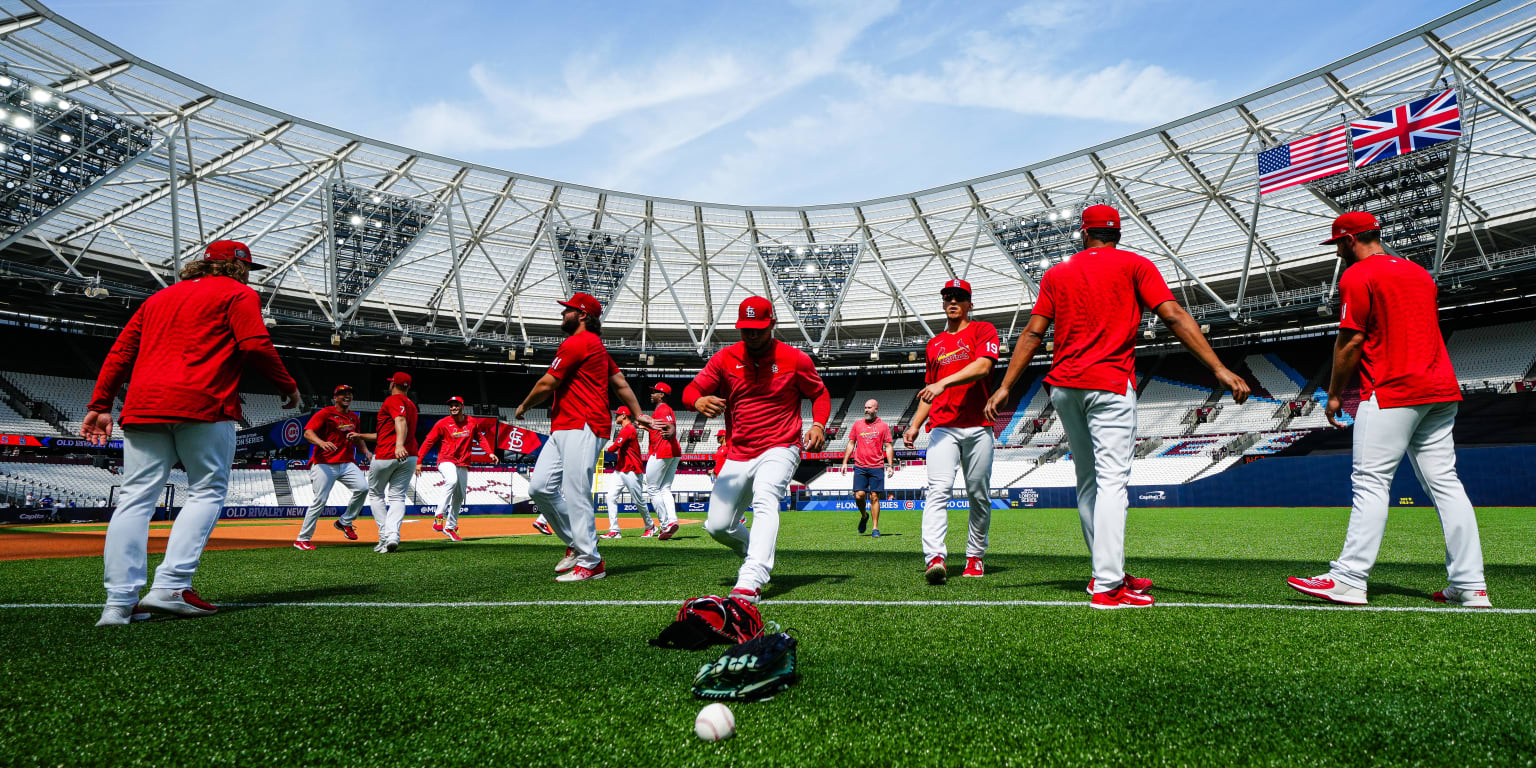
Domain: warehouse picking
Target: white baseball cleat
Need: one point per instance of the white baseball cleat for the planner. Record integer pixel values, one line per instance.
(391, 545)
(583, 573)
(1328, 588)
(115, 615)
(177, 602)
(379, 548)
(1466, 598)
(566, 563)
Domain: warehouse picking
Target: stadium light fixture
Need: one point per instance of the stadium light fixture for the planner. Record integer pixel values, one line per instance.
(1038, 240)
(597, 261)
(335, 339)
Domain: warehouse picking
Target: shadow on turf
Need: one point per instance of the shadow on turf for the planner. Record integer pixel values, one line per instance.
(299, 596)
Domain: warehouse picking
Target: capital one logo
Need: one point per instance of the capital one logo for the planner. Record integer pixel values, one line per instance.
(1153, 496)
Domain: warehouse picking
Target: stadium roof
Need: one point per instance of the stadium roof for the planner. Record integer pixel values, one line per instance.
(483, 253)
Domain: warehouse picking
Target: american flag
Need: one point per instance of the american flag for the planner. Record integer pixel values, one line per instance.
(1303, 160)
(1403, 129)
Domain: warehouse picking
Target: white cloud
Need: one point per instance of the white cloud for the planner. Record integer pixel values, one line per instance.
(1048, 14)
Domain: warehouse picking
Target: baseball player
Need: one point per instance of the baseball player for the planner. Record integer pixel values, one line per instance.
(758, 384)
(869, 445)
(720, 453)
(661, 466)
(333, 431)
(1389, 329)
(1095, 298)
(579, 378)
(394, 461)
(960, 361)
(184, 349)
(626, 476)
(457, 434)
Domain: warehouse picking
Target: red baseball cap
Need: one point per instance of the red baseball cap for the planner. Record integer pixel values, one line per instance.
(585, 303)
(623, 410)
(721, 433)
(401, 378)
(340, 388)
(229, 250)
(455, 399)
(1101, 216)
(1352, 223)
(663, 387)
(956, 285)
(755, 313)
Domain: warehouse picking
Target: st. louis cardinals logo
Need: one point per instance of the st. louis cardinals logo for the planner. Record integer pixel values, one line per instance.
(751, 312)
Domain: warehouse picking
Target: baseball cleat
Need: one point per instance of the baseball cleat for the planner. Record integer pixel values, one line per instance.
(1120, 597)
(1128, 581)
(875, 533)
(543, 528)
(973, 568)
(1327, 588)
(452, 534)
(668, 531)
(749, 595)
(437, 523)
(379, 548)
(650, 532)
(583, 573)
(863, 521)
(566, 563)
(115, 615)
(303, 545)
(1466, 598)
(346, 529)
(935, 574)
(391, 545)
(177, 602)
(611, 535)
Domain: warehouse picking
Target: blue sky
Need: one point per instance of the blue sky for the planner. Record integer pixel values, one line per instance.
(750, 103)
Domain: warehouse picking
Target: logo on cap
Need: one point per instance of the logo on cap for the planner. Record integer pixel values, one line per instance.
(755, 313)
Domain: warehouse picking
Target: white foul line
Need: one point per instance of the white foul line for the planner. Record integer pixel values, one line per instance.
(874, 603)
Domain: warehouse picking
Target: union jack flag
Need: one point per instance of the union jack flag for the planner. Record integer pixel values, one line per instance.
(1415, 125)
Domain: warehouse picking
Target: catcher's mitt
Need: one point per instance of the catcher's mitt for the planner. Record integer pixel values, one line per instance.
(711, 620)
(756, 669)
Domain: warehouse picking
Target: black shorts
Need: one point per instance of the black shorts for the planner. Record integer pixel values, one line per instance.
(870, 479)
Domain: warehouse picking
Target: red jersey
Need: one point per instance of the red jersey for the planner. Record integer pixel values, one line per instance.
(1404, 362)
(1095, 300)
(334, 426)
(663, 447)
(949, 353)
(626, 445)
(396, 405)
(185, 347)
(762, 396)
(583, 367)
(458, 440)
(720, 457)
(869, 440)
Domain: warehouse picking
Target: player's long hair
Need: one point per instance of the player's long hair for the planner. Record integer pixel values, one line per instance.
(595, 325)
(223, 268)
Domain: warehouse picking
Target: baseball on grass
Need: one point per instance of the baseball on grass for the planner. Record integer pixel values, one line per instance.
(715, 723)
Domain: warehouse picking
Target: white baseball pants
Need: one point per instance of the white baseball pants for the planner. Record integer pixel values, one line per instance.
(625, 481)
(206, 450)
(968, 449)
(388, 482)
(321, 478)
(1101, 431)
(561, 487)
(1381, 437)
(658, 488)
(457, 480)
(758, 483)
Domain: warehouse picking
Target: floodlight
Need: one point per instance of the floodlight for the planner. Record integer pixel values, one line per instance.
(356, 220)
(405, 339)
(66, 138)
(22, 121)
(41, 96)
(5, 82)
(65, 106)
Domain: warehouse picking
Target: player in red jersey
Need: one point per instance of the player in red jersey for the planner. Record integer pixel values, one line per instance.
(959, 362)
(661, 467)
(869, 445)
(579, 378)
(185, 348)
(1095, 299)
(458, 435)
(626, 476)
(720, 451)
(394, 461)
(1389, 328)
(333, 431)
(758, 384)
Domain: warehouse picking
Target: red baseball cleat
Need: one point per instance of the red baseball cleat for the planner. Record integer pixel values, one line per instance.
(566, 563)
(177, 602)
(935, 574)
(437, 523)
(612, 535)
(650, 532)
(1327, 588)
(1467, 598)
(583, 573)
(543, 528)
(452, 534)
(1120, 597)
(303, 546)
(973, 568)
(346, 529)
(1129, 582)
(749, 595)
(668, 531)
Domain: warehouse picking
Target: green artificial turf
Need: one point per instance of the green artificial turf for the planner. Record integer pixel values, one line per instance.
(956, 685)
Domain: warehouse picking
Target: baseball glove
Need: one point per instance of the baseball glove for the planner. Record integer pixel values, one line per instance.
(756, 669)
(711, 620)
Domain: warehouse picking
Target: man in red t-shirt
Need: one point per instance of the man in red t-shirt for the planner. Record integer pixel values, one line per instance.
(458, 435)
(661, 467)
(869, 443)
(333, 431)
(561, 486)
(394, 461)
(626, 476)
(720, 452)
(960, 361)
(185, 348)
(1389, 327)
(1095, 298)
(758, 383)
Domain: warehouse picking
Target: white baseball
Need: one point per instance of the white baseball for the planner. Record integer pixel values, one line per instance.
(715, 723)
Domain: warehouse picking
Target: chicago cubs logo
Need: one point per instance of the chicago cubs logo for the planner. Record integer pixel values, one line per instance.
(292, 433)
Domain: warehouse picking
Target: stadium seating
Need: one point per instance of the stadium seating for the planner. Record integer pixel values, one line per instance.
(11, 421)
(69, 395)
(1495, 355)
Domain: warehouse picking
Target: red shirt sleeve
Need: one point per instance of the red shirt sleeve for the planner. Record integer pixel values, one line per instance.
(569, 357)
(986, 341)
(1151, 289)
(119, 362)
(813, 387)
(485, 433)
(706, 383)
(1356, 297)
(252, 339)
(1045, 305)
(316, 421)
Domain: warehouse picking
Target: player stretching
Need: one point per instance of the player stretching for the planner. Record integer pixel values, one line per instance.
(579, 378)
(458, 434)
(1095, 299)
(333, 431)
(757, 383)
(1389, 328)
(869, 443)
(394, 462)
(626, 476)
(184, 348)
(661, 467)
(959, 362)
